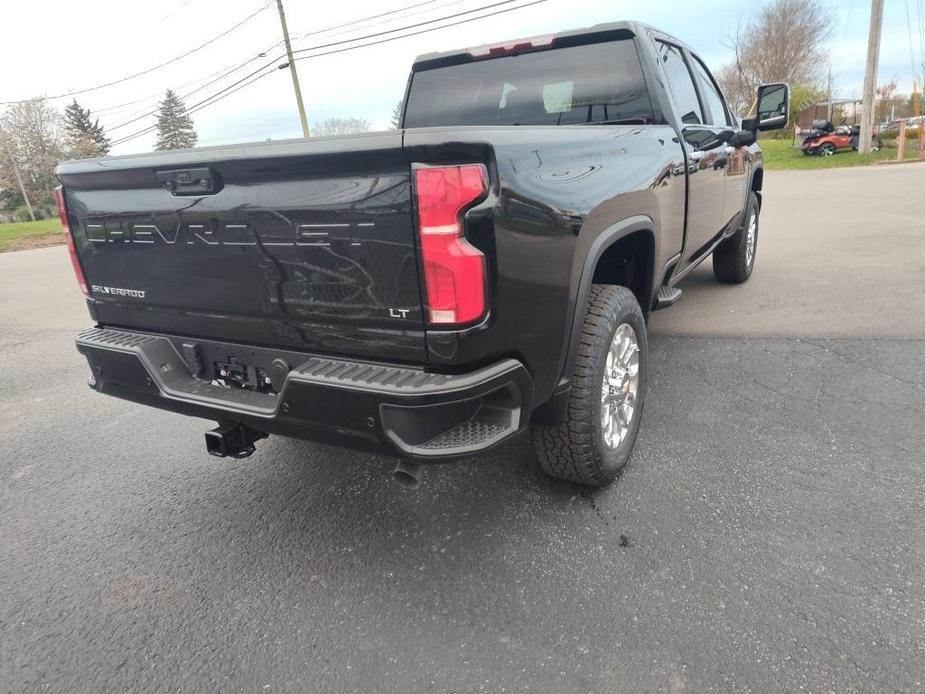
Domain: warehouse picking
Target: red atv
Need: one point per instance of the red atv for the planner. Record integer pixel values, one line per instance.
(825, 139)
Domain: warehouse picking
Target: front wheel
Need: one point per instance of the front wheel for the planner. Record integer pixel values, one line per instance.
(827, 150)
(594, 441)
(734, 258)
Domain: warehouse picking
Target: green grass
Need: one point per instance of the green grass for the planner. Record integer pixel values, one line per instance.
(781, 154)
(19, 235)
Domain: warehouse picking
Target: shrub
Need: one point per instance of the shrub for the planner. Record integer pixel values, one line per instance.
(893, 133)
(21, 213)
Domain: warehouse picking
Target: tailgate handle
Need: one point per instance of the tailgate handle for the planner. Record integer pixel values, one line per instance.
(201, 181)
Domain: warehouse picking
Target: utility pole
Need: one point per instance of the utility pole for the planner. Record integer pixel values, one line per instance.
(22, 188)
(870, 76)
(292, 70)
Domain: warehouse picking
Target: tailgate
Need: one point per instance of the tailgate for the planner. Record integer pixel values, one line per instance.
(308, 245)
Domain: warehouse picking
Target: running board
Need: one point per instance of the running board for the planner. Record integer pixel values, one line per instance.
(666, 297)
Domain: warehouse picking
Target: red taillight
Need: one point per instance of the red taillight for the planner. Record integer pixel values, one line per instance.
(71, 248)
(454, 270)
(518, 46)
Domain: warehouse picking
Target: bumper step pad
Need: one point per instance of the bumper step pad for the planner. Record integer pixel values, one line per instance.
(666, 297)
(397, 410)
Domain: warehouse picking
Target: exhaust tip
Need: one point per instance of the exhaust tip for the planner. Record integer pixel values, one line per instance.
(408, 474)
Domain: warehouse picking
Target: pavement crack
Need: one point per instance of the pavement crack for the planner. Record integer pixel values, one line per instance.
(863, 365)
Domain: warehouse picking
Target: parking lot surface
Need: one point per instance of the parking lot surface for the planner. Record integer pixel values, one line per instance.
(768, 535)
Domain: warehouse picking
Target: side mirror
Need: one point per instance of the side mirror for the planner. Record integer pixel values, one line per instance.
(773, 106)
(743, 138)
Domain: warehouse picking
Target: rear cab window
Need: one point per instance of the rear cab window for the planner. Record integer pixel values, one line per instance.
(680, 83)
(711, 94)
(572, 85)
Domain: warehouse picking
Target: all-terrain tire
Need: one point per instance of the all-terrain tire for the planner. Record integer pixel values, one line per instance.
(575, 449)
(732, 261)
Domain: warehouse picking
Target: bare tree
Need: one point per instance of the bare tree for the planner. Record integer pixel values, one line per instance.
(395, 120)
(783, 42)
(886, 99)
(31, 137)
(341, 126)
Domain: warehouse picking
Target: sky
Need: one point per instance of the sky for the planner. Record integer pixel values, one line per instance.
(87, 43)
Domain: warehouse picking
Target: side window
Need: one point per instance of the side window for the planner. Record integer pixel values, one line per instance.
(557, 97)
(506, 89)
(681, 83)
(714, 101)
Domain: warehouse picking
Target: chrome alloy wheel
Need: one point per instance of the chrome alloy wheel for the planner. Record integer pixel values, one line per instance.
(619, 386)
(751, 236)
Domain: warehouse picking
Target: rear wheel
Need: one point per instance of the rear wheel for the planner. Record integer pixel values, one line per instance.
(594, 441)
(827, 150)
(734, 258)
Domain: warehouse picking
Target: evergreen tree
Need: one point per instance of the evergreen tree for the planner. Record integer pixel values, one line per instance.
(84, 137)
(174, 127)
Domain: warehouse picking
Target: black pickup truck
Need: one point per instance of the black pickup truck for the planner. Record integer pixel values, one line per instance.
(431, 291)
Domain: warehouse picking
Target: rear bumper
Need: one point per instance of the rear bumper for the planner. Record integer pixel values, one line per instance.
(391, 410)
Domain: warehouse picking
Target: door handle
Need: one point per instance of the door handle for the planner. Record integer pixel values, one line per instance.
(200, 181)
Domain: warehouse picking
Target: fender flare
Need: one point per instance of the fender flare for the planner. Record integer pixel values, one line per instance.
(604, 240)
(751, 181)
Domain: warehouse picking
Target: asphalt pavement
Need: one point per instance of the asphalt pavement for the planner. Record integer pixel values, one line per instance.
(768, 535)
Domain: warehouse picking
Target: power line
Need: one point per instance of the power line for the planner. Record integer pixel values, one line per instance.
(169, 15)
(149, 70)
(157, 95)
(229, 70)
(365, 19)
(920, 7)
(328, 45)
(218, 96)
(423, 31)
(205, 103)
(271, 47)
(405, 16)
(265, 50)
(915, 99)
(224, 93)
(911, 43)
(137, 117)
(410, 26)
(402, 10)
(240, 84)
(221, 91)
(154, 98)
